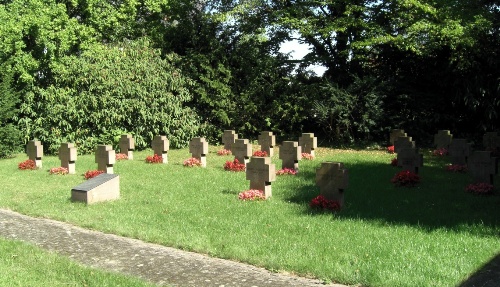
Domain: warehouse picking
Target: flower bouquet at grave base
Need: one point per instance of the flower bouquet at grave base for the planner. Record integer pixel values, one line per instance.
(234, 166)
(261, 153)
(154, 159)
(320, 202)
(58, 170)
(390, 149)
(27, 165)
(307, 156)
(480, 188)
(223, 152)
(92, 173)
(285, 171)
(121, 156)
(394, 162)
(192, 162)
(252, 194)
(440, 152)
(405, 178)
(456, 167)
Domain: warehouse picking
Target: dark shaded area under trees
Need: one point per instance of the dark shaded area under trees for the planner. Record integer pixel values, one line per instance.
(87, 71)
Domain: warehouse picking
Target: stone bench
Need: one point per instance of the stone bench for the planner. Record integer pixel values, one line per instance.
(100, 188)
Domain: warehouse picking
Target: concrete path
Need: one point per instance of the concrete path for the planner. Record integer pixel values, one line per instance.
(154, 263)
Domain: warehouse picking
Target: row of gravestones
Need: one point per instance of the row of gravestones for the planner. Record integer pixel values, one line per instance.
(481, 164)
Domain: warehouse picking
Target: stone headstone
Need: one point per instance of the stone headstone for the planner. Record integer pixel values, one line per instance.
(105, 158)
(127, 146)
(308, 143)
(491, 141)
(161, 145)
(332, 180)
(410, 159)
(229, 137)
(198, 147)
(267, 141)
(482, 166)
(261, 172)
(443, 139)
(395, 134)
(459, 150)
(290, 153)
(34, 149)
(103, 187)
(402, 143)
(242, 150)
(67, 155)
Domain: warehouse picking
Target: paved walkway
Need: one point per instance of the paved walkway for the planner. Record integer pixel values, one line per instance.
(155, 263)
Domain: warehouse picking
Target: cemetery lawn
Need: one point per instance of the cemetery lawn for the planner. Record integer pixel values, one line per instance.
(22, 264)
(433, 234)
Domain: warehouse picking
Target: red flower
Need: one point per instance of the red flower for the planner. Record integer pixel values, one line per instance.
(92, 173)
(307, 156)
(456, 167)
(394, 162)
(191, 162)
(320, 202)
(223, 152)
(121, 156)
(27, 164)
(440, 152)
(480, 188)
(251, 194)
(261, 153)
(390, 149)
(405, 178)
(58, 170)
(286, 170)
(234, 166)
(154, 159)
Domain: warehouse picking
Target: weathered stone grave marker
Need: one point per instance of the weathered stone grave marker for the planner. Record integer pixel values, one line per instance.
(67, 155)
(290, 153)
(267, 142)
(198, 147)
(261, 172)
(491, 141)
(332, 180)
(105, 158)
(395, 134)
(402, 143)
(161, 145)
(443, 139)
(482, 166)
(410, 159)
(308, 143)
(229, 137)
(103, 187)
(34, 149)
(127, 146)
(459, 150)
(242, 150)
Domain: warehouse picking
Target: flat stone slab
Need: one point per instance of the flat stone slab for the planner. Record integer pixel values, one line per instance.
(103, 187)
(151, 262)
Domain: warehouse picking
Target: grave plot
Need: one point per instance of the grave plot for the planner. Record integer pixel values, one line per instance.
(242, 150)
(402, 143)
(267, 141)
(290, 153)
(261, 172)
(410, 159)
(103, 187)
(308, 143)
(229, 137)
(160, 145)
(459, 150)
(198, 147)
(482, 166)
(127, 146)
(67, 155)
(442, 139)
(332, 180)
(105, 158)
(34, 149)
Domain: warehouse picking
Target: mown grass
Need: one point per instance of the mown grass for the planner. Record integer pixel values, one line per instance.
(434, 234)
(24, 265)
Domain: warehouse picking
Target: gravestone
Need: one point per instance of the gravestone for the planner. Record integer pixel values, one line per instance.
(491, 141)
(198, 147)
(395, 134)
(290, 153)
(34, 149)
(267, 142)
(67, 155)
(443, 139)
(242, 150)
(103, 187)
(105, 158)
(482, 166)
(261, 172)
(459, 150)
(308, 143)
(410, 159)
(402, 143)
(127, 146)
(332, 180)
(229, 137)
(160, 145)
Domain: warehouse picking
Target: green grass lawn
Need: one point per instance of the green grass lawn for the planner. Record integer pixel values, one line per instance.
(24, 265)
(434, 234)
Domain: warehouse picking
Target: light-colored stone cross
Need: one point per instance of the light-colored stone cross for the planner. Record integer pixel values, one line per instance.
(34, 149)
(403, 142)
(308, 143)
(395, 134)
(161, 145)
(228, 139)
(459, 150)
(290, 153)
(410, 159)
(261, 172)
(105, 158)
(332, 180)
(198, 147)
(127, 146)
(267, 141)
(67, 155)
(443, 139)
(242, 150)
(482, 166)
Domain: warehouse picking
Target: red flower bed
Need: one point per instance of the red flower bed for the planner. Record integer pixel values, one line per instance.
(480, 188)
(286, 170)
(261, 153)
(456, 167)
(307, 156)
(154, 159)
(27, 165)
(320, 202)
(192, 162)
(58, 170)
(251, 194)
(223, 152)
(405, 178)
(440, 152)
(121, 156)
(92, 173)
(234, 166)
